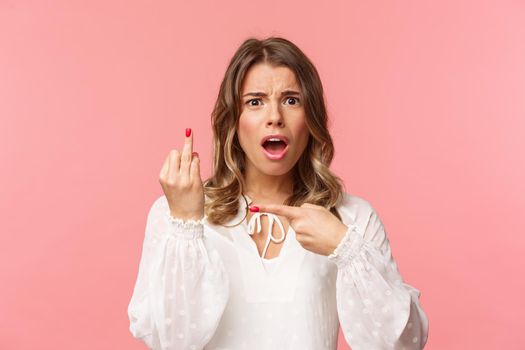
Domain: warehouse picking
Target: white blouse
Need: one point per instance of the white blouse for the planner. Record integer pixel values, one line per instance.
(204, 286)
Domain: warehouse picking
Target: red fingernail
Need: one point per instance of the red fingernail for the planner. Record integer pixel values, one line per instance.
(195, 154)
(254, 208)
(188, 132)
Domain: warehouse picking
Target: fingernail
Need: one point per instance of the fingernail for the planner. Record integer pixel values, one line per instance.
(195, 154)
(254, 208)
(188, 132)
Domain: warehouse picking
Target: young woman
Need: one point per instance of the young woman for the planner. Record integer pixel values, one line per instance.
(270, 252)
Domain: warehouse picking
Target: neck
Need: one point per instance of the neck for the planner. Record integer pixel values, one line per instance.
(264, 187)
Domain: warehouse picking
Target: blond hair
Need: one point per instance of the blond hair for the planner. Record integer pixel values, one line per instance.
(313, 182)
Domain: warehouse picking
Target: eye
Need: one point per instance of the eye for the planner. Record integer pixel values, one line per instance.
(249, 102)
(295, 99)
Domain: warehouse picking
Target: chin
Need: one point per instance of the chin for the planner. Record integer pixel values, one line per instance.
(269, 167)
(275, 169)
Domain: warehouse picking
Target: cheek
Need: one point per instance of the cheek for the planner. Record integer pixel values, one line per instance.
(245, 131)
(302, 132)
(242, 125)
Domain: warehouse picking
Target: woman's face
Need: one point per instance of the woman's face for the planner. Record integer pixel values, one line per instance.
(272, 104)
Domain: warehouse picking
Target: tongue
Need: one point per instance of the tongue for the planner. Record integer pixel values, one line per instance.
(274, 147)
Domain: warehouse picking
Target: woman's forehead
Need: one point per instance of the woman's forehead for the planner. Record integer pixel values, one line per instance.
(262, 77)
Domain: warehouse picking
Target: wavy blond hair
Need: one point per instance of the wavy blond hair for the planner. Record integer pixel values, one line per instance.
(313, 181)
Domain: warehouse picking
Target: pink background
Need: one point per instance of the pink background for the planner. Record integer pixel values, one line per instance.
(427, 107)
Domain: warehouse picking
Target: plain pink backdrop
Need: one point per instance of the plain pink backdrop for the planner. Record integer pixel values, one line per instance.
(427, 107)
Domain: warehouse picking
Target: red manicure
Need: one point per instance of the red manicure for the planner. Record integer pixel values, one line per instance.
(195, 154)
(254, 208)
(188, 132)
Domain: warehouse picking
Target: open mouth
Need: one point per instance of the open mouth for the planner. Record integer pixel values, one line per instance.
(274, 147)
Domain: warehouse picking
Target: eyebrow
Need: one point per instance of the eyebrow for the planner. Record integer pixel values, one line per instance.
(285, 92)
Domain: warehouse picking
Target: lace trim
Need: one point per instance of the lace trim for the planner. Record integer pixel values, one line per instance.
(186, 229)
(348, 248)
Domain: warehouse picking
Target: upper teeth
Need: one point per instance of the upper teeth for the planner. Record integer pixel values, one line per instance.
(273, 139)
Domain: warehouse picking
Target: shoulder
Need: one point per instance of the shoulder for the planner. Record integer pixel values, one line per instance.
(159, 205)
(356, 210)
(352, 204)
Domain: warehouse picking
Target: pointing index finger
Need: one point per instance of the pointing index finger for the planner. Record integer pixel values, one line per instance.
(279, 209)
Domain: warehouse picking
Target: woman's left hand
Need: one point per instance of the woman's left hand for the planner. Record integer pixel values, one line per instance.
(317, 229)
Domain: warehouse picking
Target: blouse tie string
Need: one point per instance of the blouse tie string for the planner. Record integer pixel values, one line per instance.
(256, 220)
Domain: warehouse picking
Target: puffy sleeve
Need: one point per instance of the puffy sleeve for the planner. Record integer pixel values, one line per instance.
(377, 310)
(182, 286)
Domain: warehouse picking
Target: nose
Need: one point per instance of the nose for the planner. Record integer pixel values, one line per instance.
(275, 117)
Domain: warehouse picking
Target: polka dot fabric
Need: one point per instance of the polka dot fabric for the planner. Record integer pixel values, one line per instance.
(202, 286)
(373, 302)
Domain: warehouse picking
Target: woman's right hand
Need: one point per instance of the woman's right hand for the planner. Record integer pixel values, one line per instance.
(181, 182)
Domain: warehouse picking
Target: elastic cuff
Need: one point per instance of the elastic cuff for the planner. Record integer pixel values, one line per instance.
(186, 229)
(348, 248)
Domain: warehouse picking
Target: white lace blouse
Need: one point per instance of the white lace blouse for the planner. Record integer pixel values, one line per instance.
(204, 286)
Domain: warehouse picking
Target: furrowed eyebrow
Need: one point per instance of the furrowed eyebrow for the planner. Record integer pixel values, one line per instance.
(262, 94)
